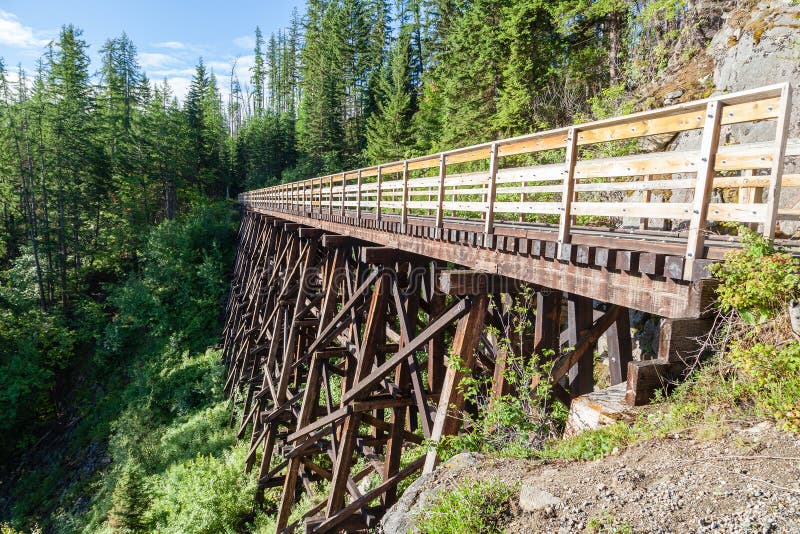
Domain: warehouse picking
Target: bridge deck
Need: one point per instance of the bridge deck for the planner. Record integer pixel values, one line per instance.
(520, 215)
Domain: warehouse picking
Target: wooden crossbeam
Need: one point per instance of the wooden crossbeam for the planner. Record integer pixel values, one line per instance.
(465, 344)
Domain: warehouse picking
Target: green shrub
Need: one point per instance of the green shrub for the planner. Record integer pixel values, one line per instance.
(473, 506)
(130, 501)
(518, 423)
(203, 495)
(757, 280)
(756, 368)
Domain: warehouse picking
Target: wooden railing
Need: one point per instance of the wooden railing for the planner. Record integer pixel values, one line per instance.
(517, 178)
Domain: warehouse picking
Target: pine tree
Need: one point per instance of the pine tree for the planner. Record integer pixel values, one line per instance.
(129, 501)
(259, 74)
(389, 132)
(534, 60)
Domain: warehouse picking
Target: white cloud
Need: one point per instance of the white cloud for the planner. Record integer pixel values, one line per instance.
(166, 73)
(179, 86)
(248, 42)
(172, 45)
(13, 33)
(156, 60)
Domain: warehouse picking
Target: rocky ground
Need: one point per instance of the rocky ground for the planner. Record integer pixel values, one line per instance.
(748, 481)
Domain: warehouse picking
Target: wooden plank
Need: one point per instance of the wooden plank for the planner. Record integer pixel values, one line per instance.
(339, 241)
(673, 267)
(547, 324)
(774, 189)
(491, 195)
(648, 376)
(465, 343)
(579, 317)
(440, 194)
(705, 182)
(404, 209)
(379, 193)
(666, 298)
(620, 348)
(358, 197)
(567, 195)
(385, 256)
(652, 264)
(463, 282)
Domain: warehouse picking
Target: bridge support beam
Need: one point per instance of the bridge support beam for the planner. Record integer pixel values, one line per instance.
(326, 339)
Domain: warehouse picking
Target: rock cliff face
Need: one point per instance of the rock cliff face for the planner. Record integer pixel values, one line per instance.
(755, 44)
(757, 47)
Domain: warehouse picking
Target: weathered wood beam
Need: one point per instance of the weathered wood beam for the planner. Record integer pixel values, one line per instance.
(463, 282)
(465, 343)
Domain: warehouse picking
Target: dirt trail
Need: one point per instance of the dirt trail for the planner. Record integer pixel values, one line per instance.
(748, 481)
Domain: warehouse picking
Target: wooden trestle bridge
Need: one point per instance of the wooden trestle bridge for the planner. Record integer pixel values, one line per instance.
(351, 290)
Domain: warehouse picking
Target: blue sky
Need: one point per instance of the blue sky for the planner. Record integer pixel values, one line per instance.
(169, 35)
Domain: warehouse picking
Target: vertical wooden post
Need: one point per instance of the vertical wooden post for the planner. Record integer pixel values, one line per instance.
(750, 195)
(440, 195)
(311, 196)
(303, 184)
(428, 211)
(374, 334)
(344, 187)
(776, 172)
(705, 182)
(522, 198)
(618, 337)
(547, 328)
(568, 193)
(404, 209)
(330, 194)
(644, 222)
(580, 316)
(465, 342)
(378, 196)
(492, 193)
(358, 197)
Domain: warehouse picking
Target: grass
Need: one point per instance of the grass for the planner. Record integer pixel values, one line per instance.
(479, 506)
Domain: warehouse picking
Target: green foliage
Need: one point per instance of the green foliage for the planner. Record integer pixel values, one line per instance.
(207, 494)
(519, 423)
(756, 280)
(591, 444)
(608, 524)
(129, 502)
(754, 371)
(478, 506)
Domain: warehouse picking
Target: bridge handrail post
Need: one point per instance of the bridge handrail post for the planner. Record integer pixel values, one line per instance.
(568, 191)
(378, 197)
(358, 196)
(440, 195)
(776, 173)
(344, 186)
(330, 195)
(703, 186)
(492, 193)
(404, 209)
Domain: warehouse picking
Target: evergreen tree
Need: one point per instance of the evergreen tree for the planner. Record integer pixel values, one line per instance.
(259, 74)
(129, 501)
(389, 132)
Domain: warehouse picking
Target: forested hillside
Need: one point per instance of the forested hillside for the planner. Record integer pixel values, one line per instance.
(118, 231)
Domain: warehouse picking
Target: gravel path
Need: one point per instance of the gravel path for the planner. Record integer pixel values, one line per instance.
(746, 482)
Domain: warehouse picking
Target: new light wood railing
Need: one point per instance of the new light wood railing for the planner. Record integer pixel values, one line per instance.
(587, 178)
